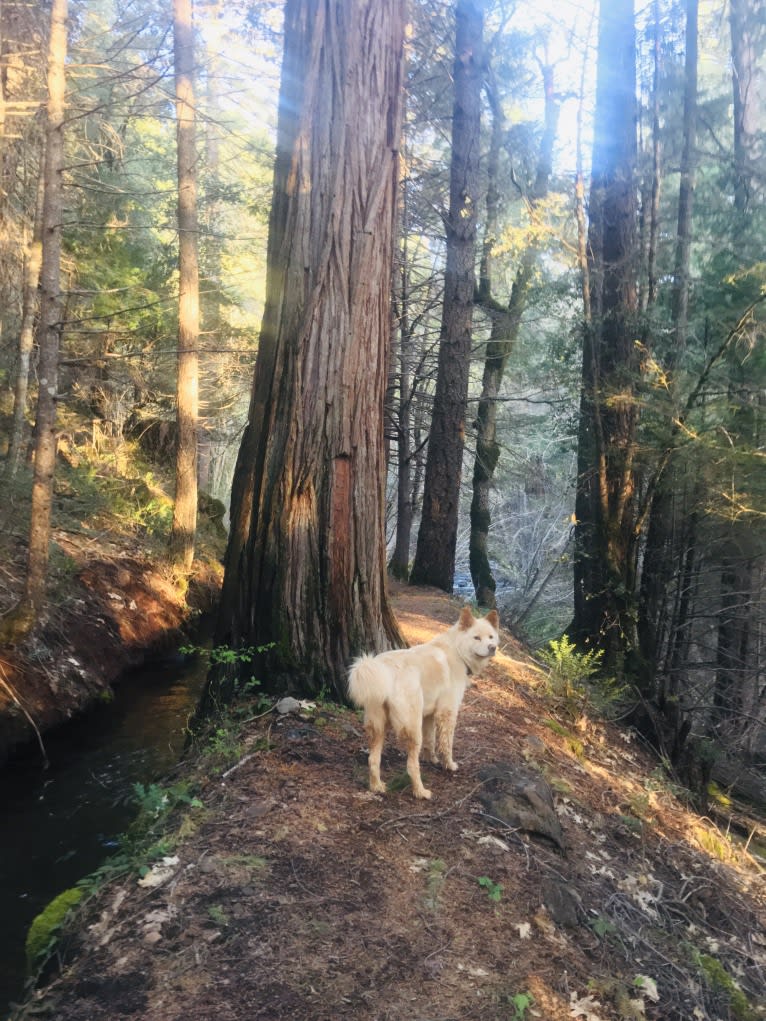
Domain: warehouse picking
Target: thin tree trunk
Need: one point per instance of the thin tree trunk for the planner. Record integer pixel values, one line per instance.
(737, 612)
(681, 271)
(399, 564)
(733, 648)
(582, 568)
(3, 113)
(654, 205)
(579, 191)
(659, 555)
(746, 109)
(213, 367)
(487, 448)
(49, 334)
(506, 323)
(3, 103)
(738, 616)
(32, 265)
(184, 526)
(213, 271)
(437, 537)
(677, 626)
(306, 560)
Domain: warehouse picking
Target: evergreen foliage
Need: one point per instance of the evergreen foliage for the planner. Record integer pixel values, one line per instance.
(690, 580)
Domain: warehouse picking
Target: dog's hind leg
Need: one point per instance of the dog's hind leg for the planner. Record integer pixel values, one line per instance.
(429, 738)
(412, 745)
(445, 733)
(375, 728)
(405, 714)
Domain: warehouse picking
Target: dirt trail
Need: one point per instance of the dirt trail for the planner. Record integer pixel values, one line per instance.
(295, 893)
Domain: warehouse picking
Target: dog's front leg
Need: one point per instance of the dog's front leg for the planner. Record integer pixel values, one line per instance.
(445, 734)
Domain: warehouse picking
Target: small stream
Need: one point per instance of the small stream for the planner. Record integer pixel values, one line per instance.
(60, 823)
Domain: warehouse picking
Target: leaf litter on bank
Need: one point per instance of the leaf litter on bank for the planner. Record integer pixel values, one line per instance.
(298, 894)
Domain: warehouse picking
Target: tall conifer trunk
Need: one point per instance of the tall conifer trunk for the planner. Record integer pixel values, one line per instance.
(605, 538)
(505, 324)
(305, 564)
(184, 526)
(399, 564)
(49, 329)
(736, 668)
(32, 265)
(662, 555)
(437, 537)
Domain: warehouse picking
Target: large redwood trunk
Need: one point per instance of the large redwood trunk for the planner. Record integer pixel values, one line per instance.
(305, 566)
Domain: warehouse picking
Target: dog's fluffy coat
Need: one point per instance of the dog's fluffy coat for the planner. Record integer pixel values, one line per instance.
(417, 692)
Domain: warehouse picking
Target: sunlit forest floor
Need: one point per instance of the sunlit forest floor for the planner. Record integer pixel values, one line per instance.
(269, 883)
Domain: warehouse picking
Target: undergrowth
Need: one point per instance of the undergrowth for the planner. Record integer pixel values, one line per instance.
(576, 681)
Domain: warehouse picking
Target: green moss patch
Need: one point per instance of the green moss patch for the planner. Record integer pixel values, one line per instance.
(43, 929)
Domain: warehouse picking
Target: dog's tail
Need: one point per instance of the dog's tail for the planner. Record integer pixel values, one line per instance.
(367, 683)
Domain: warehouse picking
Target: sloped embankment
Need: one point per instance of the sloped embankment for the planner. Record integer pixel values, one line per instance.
(113, 609)
(284, 889)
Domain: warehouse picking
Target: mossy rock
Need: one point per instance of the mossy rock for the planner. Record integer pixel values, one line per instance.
(720, 980)
(45, 925)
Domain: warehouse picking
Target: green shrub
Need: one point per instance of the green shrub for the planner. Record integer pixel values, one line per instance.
(568, 669)
(494, 890)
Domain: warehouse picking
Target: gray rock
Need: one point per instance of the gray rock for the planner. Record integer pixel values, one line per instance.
(288, 705)
(561, 902)
(519, 797)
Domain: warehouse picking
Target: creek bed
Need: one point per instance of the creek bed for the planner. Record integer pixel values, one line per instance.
(60, 823)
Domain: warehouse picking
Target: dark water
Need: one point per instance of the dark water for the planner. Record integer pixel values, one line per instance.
(60, 823)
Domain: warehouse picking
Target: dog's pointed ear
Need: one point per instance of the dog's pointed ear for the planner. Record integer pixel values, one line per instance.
(493, 619)
(466, 618)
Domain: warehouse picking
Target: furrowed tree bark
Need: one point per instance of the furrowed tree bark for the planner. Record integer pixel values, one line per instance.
(49, 330)
(305, 564)
(434, 562)
(184, 525)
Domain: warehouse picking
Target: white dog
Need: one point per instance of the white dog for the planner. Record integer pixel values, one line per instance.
(418, 691)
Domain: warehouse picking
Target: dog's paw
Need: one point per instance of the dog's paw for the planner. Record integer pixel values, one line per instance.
(423, 793)
(378, 787)
(451, 766)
